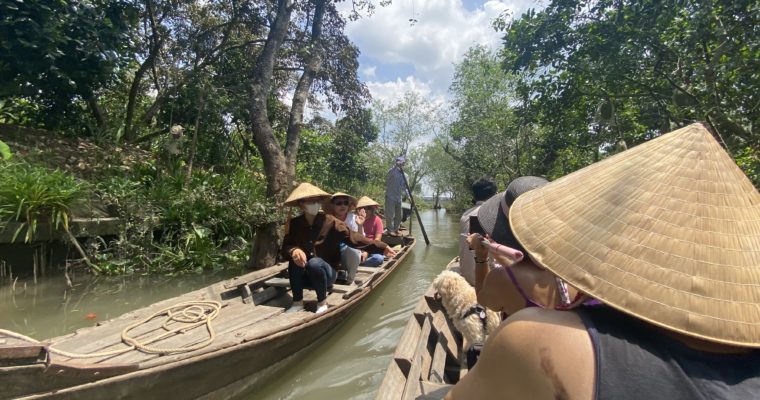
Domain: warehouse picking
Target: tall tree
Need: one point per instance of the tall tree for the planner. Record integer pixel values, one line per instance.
(486, 137)
(316, 28)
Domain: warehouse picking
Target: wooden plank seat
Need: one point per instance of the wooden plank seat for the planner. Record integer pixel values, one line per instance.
(285, 283)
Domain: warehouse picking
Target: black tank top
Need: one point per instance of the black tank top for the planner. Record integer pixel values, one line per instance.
(636, 361)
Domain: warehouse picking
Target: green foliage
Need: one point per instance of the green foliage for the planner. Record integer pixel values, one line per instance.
(748, 159)
(53, 51)
(593, 71)
(175, 227)
(5, 151)
(34, 195)
(486, 136)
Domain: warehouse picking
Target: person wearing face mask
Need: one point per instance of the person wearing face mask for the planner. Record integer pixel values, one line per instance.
(312, 246)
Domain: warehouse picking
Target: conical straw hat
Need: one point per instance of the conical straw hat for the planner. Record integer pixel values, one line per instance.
(668, 231)
(304, 191)
(365, 201)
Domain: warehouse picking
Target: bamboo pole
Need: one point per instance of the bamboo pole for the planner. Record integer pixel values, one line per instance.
(414, 208)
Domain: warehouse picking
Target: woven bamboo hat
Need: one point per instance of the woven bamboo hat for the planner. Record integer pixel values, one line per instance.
(668, 231)
(305, 191)
(365, 201)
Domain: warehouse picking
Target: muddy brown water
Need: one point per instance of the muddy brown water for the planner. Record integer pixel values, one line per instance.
(348, 363)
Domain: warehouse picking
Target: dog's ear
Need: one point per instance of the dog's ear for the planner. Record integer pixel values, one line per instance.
(441, 281)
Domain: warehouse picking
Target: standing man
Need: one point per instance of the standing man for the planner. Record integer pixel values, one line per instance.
(482, 190)
(394, 191)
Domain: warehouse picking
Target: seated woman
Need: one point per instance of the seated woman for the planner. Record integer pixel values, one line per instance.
(312, 246)
(372, 228)
(511, 286)
(340, 206)
(667, 236)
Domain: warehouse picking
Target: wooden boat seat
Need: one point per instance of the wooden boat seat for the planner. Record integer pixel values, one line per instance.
(369, 270)
(285, 283)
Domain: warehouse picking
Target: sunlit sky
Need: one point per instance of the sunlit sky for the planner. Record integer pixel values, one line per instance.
(398, 55)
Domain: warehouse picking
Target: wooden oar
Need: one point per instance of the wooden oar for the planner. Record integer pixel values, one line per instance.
(414, 207)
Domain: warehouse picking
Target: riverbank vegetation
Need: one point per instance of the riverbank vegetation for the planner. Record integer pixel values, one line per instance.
(188, 120)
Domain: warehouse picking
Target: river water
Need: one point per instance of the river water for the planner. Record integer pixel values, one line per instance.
(349, 363)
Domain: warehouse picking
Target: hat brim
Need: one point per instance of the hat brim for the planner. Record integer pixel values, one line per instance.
(495, 222)
(667, 231)
(305, 191)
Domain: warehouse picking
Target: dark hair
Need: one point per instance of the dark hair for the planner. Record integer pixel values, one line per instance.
(483, 189)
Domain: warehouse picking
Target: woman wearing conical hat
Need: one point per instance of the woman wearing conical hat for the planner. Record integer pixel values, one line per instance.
(372, 228)
(373, 224)
(667, 236)
(312, 246)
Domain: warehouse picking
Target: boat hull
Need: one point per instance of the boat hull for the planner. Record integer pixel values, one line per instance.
(207, 373)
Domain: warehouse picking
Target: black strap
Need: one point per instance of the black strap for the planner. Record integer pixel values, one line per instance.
(480, 311)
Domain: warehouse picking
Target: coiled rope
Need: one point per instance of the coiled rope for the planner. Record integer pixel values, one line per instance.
(191, 314)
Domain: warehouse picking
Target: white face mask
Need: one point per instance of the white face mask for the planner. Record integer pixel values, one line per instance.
(312, 208)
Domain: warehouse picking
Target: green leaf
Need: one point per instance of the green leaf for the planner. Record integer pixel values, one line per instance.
(5, 151)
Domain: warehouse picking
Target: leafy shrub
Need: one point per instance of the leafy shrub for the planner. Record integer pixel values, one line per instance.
(33, 195)
(174, 225)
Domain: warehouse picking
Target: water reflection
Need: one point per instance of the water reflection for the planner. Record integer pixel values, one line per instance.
(49, 308)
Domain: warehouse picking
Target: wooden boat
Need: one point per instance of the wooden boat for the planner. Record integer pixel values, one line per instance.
(250, 332)
(431, 355)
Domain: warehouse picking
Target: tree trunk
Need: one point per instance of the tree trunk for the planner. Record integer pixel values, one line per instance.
(313, 63)
(194, 146)
(280, 166)
(97, 112)
(267, 239)
(155, 46)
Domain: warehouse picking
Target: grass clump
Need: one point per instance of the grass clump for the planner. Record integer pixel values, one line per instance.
(33, 195)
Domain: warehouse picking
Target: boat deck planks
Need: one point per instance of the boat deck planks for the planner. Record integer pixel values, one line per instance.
(252, 331)
(430, 354)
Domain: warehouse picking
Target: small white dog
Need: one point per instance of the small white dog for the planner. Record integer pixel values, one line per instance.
(460, 301)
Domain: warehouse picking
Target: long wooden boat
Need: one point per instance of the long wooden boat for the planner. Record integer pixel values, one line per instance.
(431, 355)
(249, 332)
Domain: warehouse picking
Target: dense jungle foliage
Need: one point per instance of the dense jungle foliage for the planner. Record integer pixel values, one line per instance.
(188, 118)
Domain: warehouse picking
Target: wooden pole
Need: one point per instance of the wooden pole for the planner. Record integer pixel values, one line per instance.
(414, 208)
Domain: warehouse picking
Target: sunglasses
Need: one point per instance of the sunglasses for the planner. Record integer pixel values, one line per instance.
(341, 202)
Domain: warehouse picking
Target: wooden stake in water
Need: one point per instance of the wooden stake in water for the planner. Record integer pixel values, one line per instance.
(414, 208)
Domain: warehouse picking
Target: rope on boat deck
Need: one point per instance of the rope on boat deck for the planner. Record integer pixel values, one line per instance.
(194, 312)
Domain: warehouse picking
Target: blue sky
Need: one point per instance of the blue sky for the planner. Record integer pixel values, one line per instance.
(398, 55)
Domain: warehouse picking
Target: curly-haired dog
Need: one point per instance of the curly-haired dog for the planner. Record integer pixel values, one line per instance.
(461, 303)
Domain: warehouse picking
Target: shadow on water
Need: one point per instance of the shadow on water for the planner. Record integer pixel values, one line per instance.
(351, 362)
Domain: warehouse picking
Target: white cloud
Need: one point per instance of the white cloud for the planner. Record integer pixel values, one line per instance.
(369, 72)
(442, 33)
(390, 91)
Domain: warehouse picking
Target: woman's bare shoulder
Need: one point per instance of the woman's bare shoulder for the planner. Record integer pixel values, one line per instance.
(537, 354)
